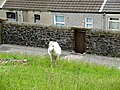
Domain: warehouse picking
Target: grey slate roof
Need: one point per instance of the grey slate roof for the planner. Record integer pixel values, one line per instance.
(55, 5)
(41, 5)
(77, 5)
(64, 5)
(112, 6)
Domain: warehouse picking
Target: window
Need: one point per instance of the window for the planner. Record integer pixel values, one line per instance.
(89, 22)
(11, 16)
(37, 18)
(59, 20)
(114, 23)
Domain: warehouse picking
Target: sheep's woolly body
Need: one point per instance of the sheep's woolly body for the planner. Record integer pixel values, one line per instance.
(54, 51)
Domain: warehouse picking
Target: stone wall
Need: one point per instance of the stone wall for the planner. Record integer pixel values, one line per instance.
(102, 42)
(37, 36)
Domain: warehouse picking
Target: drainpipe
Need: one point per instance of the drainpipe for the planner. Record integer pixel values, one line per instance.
(104, 21)
(103, 17)
(21, 16)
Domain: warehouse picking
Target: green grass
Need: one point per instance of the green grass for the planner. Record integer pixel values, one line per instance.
(36, 74)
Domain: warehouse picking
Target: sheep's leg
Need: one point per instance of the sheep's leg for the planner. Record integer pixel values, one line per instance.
(51, 57)
(58, 57)
(53, 61)
(56, 60)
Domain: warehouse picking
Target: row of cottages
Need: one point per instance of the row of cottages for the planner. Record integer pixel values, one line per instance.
(101, 14)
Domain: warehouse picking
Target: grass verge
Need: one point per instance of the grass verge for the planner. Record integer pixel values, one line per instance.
(36, 74)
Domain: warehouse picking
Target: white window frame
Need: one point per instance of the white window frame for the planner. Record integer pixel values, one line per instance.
(55, 22)
(113, 21)
(86, 23)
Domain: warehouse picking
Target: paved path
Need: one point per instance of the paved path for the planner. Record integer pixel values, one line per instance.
(110, 61)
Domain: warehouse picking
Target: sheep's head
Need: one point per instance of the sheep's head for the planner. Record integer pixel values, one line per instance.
(51, 46)
(54, 48)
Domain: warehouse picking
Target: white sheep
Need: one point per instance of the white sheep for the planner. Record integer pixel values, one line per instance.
(54, 51)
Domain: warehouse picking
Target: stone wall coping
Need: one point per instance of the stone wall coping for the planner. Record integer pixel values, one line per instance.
(79, 28)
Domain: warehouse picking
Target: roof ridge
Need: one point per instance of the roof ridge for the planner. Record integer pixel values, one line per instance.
(102, 6)
(3, 3)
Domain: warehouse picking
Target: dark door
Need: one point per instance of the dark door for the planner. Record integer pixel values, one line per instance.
(80, 44)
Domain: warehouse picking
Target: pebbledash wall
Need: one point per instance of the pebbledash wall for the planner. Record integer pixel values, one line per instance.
(100, 42)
